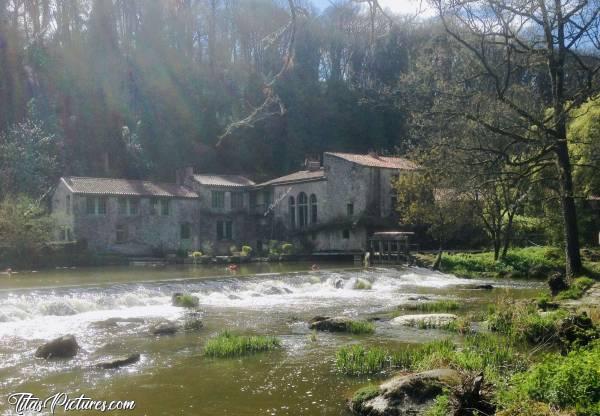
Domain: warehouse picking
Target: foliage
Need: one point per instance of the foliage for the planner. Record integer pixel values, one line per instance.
(246, 251)
(569, 382)
(25, 229)
(227, 344)
(287, 248)
(185, 300)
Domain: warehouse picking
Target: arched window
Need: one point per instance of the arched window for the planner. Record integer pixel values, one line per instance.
(292, 207)
(313, 209)
(302, 210)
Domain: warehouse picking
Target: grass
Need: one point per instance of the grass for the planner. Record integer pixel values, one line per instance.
(362, 395)
(356, 360)
(433, 307)
(186, 301)
(361, 327)
(227, 344)
(441, 406)
(577, 289)
(519, 262)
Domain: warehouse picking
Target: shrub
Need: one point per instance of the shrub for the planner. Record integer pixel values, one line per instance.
(227, 344)
(569, 382)
(356, 360)
(246, 251)
(361, 327)
(287, 248)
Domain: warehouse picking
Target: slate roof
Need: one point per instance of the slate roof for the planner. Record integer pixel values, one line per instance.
(223, 180)
(300, 176)
(127, 187)
(376, 161)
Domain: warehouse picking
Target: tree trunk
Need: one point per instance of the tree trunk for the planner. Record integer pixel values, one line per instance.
(507, 236)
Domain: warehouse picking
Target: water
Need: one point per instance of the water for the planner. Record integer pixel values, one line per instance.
(173, 377)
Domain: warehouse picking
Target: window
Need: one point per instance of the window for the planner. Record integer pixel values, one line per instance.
(346, 234)
(302, 210)
(95, 205)
(154, 206)
(134, 206)
(218, 199)
(122, 206)
(224, 230)
(237, 200)
(69, 235)
(185, 231)
(129, 206)
(292, 208)
(350, 209)
(121, 233)
(164, 207)
(68, 204)
(313, 209)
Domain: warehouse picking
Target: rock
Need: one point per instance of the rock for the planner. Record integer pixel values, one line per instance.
(480, 287)
(418, 298)
(164, 328)
(193, 321)
(119, 362)
(183, 300)
(63, 347)
(335, 324)
(405, 394)
(557, 283)
(338, 283)
(431, 320)
(112, 322)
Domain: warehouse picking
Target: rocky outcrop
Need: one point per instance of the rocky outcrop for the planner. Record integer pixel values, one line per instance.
(164, 328)
(119, 362)
(335, 324)
(404, 394)
(63, 347)
(431, 320)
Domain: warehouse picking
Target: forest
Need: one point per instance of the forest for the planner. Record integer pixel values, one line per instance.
(496, 99)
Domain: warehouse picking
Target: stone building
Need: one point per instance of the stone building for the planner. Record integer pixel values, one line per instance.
(328, 207)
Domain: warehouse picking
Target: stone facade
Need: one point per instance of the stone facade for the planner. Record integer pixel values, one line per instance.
(329, 208)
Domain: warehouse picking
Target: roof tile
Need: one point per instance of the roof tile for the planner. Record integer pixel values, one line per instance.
(376, 161)
(300, 176)
(129, 187)
(223, 180)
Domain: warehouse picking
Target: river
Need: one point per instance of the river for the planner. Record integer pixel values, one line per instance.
(173, 377)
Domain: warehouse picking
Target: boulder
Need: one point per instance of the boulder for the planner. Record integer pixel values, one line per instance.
(335, 324)
(113, 322)
(405, 394)
(119, 362)
(430, 320)
(164, 328)
(63, 347)
(480, 287)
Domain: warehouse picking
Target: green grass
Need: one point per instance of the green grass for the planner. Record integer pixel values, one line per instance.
(227, 344)
(519, 262)
(356, 360)
(186, 301)
(433, 307)
(570, 383)
(361, 327)
(441, 406)
(577, 289)
(362, 395)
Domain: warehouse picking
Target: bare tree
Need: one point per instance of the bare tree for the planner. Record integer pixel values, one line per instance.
(539, 59)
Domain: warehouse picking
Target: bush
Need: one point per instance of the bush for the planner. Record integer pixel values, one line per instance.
(227, 344)
(356, 360)
(246, 251)
(569, 382)
(287, 248)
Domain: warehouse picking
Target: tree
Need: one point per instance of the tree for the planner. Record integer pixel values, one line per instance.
(530, 55)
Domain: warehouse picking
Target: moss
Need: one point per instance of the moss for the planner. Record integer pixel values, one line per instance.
(362, 395)
(362, 284)
(227, 344)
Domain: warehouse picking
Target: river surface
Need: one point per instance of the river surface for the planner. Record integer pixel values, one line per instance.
(173, 377)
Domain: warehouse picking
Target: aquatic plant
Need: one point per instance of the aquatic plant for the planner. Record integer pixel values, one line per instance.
(361, 327)
(185, 300)
(433, 307)
(227, 344)
(357, 360)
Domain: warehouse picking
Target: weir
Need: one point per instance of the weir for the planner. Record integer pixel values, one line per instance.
(390, 247)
